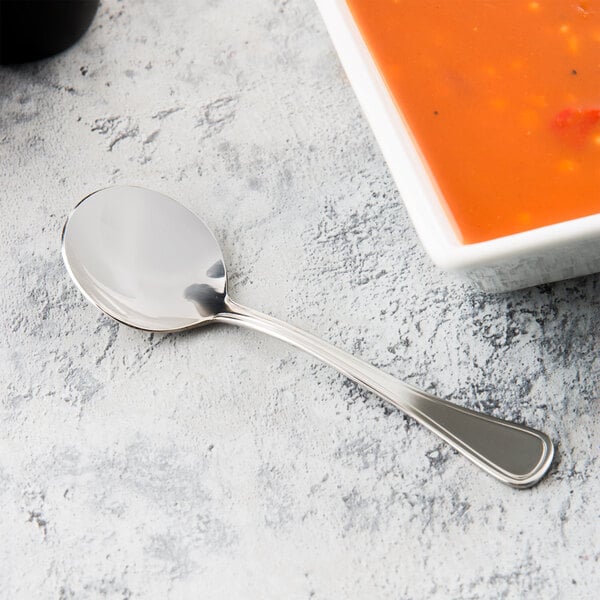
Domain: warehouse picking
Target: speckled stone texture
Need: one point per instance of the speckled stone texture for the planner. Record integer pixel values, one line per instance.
(220, 464)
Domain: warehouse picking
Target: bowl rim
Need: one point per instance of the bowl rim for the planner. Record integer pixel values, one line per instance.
(425, 206)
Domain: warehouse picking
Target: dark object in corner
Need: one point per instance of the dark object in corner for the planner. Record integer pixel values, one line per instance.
(34, 29)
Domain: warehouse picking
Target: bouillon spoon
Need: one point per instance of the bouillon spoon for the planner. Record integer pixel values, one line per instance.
(150, 263)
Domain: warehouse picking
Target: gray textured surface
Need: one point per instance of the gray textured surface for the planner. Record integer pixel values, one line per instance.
(221, 464)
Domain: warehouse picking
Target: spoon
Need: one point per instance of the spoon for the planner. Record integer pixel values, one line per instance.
(150, 263)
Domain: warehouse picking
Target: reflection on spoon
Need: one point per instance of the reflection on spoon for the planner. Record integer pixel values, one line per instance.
(207, 299)
(150, 263)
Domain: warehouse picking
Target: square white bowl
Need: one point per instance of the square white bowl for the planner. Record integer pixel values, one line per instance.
(561, 251)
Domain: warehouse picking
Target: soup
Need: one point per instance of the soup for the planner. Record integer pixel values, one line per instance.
(503, 100)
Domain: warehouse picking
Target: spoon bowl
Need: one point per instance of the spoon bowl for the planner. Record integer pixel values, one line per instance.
(144, 259)
(150, 263)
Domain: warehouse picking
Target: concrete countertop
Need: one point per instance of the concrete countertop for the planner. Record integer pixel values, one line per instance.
(222, 464)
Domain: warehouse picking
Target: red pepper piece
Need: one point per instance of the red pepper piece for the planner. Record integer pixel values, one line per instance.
(576, 123)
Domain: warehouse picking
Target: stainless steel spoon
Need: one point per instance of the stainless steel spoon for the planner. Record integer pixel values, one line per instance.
(150, 263)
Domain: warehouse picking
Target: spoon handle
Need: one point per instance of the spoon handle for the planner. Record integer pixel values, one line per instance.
(515, 454)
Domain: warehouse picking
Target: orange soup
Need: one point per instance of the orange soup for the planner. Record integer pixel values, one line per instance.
(503, 99)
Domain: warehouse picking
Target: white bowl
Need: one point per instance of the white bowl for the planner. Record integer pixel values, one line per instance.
(561, 251)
